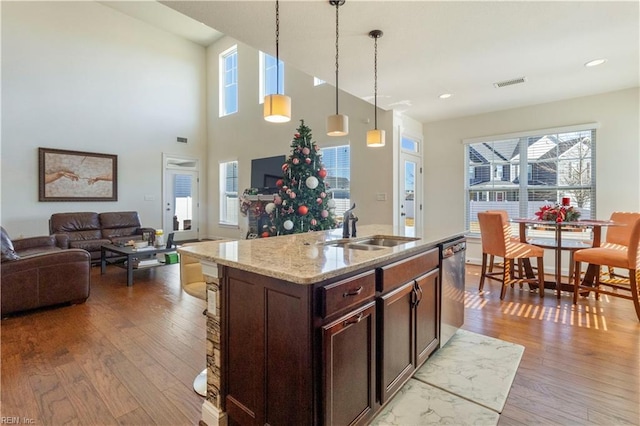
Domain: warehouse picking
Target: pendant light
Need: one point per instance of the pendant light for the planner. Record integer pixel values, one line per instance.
(277, 107)
(338, 124)
(375, 137)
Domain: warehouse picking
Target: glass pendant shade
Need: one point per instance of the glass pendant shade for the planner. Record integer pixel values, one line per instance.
(337, 125)
(277, 108)
(375, 138)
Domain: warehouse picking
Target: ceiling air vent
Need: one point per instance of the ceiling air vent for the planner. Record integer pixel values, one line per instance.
(509, 82)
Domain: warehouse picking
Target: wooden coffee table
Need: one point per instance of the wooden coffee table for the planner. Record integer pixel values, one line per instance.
(125, 255)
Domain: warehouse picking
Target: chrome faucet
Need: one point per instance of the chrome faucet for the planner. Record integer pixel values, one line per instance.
(345, 222)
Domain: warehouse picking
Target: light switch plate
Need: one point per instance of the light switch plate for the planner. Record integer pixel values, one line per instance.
(381, 196)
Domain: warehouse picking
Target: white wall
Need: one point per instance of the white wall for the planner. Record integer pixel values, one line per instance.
(82, 76)
(245, 135)
(617, 153)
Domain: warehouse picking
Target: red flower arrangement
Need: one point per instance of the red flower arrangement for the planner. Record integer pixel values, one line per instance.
(558, 213)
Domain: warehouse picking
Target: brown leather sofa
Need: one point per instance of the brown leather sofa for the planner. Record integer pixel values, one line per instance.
(38, 272)
(90, 230)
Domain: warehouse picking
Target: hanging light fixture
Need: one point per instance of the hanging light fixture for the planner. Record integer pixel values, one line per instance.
(375, 137)
(277, 107)
(338, 124)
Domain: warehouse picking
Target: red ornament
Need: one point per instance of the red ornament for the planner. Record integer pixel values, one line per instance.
(297, 135)
(265, 234)
(322, 173)
(303, 210)
(279, 183)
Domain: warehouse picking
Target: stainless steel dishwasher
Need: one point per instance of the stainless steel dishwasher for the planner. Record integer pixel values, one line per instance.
(453, 258)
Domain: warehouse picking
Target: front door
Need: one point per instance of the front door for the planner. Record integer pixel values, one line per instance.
(180, 200)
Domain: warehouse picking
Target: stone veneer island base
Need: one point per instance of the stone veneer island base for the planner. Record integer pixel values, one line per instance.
(303, 331)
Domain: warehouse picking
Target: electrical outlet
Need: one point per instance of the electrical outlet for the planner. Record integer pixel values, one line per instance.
(182, 140)
(211, 302)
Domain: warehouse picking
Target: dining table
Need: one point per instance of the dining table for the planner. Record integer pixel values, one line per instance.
(558, 245)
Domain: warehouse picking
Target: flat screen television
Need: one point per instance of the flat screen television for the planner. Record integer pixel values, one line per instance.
(266, 171)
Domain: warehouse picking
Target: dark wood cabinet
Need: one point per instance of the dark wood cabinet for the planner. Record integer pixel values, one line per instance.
(349, 348)
(330, 353)
(408, 322)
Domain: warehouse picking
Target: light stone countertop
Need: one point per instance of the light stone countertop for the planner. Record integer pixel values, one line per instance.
(301, 258)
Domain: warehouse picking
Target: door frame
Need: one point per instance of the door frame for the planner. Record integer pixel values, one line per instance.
(414, 156)
(172, 162)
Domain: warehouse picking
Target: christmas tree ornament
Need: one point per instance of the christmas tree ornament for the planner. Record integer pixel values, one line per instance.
(265, 234)
(312, 182)
(295, 161)
(323, 194)
(306, 151)
(269, 208)
(279, 183)
(319, 200)
(285, 166)
(307, 160)
(303, 210)
(277, 199)
(322, 173)
(324, 214)
(313, 222)
(292, 195)
(297, 135)
(331, 203)
(288, 225)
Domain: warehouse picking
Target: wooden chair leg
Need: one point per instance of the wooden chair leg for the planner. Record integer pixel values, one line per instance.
(576, 282)
(540, 277)
(634, 277)
(506, 273)
(483, 271)
(491, 260)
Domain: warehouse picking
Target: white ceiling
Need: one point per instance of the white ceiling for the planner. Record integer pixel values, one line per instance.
(433, 47)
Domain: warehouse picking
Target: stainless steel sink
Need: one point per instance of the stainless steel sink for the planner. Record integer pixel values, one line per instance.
(376, 242)
(387, 240)
(353, 246)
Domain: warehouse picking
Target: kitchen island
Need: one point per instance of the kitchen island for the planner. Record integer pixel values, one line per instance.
(314, 329)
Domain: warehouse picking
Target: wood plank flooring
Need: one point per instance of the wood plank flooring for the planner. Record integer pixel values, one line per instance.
(130, 354)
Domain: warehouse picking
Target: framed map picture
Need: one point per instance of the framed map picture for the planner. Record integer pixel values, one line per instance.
(77, 176)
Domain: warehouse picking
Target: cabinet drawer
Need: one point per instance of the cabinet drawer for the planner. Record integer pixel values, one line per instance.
(395, 274)
(345, 294)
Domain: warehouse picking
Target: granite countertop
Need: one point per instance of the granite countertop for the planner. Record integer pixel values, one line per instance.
(301, 258)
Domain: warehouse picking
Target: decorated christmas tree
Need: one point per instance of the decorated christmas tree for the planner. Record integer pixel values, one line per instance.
(302, 203)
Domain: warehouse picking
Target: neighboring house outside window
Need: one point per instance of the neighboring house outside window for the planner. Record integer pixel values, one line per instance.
(551, 166)
(229, 81)
(268, 83)
(229, 202)
(337, 161)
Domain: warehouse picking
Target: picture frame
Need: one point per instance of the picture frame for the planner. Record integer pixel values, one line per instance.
(77, 176)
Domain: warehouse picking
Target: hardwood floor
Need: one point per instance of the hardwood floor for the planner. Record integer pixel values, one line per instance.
(129, 355)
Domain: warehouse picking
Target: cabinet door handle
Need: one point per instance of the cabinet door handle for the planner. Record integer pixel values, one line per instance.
(355, 292)
(418, 290)
(354, 320)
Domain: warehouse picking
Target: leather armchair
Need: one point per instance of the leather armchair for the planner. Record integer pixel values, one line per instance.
(37, 272)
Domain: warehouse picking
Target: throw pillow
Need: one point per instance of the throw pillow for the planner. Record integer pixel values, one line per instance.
(8, 253)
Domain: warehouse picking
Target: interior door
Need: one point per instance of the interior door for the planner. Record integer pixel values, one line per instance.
(180, 200)
(410, 194)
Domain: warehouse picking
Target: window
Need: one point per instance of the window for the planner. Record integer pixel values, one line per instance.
(408, 144)
(268, 83)
(229, 203)
(337, 161)
(229, 81)
(317, 81)
(555, 165)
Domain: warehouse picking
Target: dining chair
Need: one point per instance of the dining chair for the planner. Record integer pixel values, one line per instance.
(617, 253)
(495, 232)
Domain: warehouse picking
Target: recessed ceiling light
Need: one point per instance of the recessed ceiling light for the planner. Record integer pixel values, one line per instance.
(595, 62)
(445, 96)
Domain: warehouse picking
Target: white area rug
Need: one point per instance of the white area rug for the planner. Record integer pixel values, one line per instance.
(466, 382)
(475, 367)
